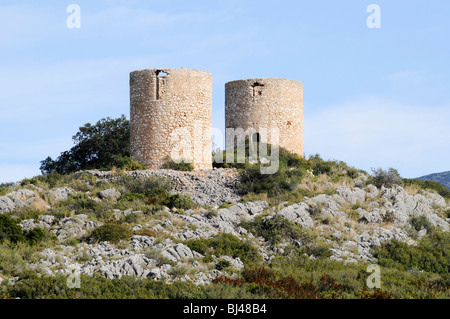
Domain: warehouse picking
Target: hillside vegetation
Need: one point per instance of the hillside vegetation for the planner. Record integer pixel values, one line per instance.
(442, 178)
(308, 231)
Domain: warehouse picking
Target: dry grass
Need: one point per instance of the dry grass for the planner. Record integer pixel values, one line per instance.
(40, 204)
(412, 189)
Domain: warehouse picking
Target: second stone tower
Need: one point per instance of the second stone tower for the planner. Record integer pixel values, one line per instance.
(264, 104)
(171, 116)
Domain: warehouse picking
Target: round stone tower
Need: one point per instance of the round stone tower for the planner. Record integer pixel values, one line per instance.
(171, 116)
(267, 103)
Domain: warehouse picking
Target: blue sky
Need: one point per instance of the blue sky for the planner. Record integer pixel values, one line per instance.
(372, 97)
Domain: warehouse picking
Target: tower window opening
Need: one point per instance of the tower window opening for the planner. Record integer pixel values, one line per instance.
(257, 89)
(161, 80)
(256, 138)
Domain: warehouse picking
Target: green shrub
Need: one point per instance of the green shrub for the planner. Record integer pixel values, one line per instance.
(72, 242)
(227, 205)
(432, 254)
(148, 186)
(319, 250)
(158, 257)
(35, 235)
(208, 259)
(353, 214)
(179, 270)
(321, 167)
(283, 181)
(25, 212)
(96, 147)
(5, 188)
(183, 165)
(10, 230)
(384, 178)
(127, 163)
(180, 201)
(129, 197)
(277, 229)
(14, 257)
(212, 213)
(130, 218)
(291, 170)
(53, 179)
(81, 203)
(419, 222)
(223, 264)
(111, 232)
(226, 244)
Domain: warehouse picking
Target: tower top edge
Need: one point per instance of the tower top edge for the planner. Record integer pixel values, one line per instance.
(170, 70)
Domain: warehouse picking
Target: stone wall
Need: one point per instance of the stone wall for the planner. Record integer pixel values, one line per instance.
(267, 103)
(171, 113)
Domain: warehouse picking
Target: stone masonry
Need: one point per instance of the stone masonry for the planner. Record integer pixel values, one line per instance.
(171, 115)
(267, 103)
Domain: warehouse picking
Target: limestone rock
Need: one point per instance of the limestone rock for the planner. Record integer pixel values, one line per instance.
(326, 200)
(375, 216)
(109, 194)
(60, 194)
(298, 213)
(179, 252)
(356, 195)
(371, 191)
(6, 204)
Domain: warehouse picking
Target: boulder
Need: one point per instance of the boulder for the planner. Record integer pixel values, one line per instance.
(178, 252)
(326, 200)
(353, 196)
(298, 213)
(6, 204)
(22, 197)
(109, 194)
(59, 194)
(375, 216)
(371, 191)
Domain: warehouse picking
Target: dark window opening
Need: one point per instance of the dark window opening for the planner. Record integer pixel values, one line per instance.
(257, 89)
(256, 138)
(161, 80)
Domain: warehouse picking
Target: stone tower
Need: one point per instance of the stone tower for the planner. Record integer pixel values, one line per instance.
(266, 103)
(171, 113)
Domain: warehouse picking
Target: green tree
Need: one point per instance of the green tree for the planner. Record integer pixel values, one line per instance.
(99, 146)
(384, 178)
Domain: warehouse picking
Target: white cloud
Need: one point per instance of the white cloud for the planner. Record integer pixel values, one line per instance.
(371, 132)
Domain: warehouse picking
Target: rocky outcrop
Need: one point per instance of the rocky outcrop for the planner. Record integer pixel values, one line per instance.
(350, 220)
(109, 194)
(206, 187)
(353, 196)
(59, 194)
(299, 214)
(6, 204)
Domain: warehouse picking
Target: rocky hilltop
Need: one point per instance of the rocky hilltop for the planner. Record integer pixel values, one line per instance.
(344, 219)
